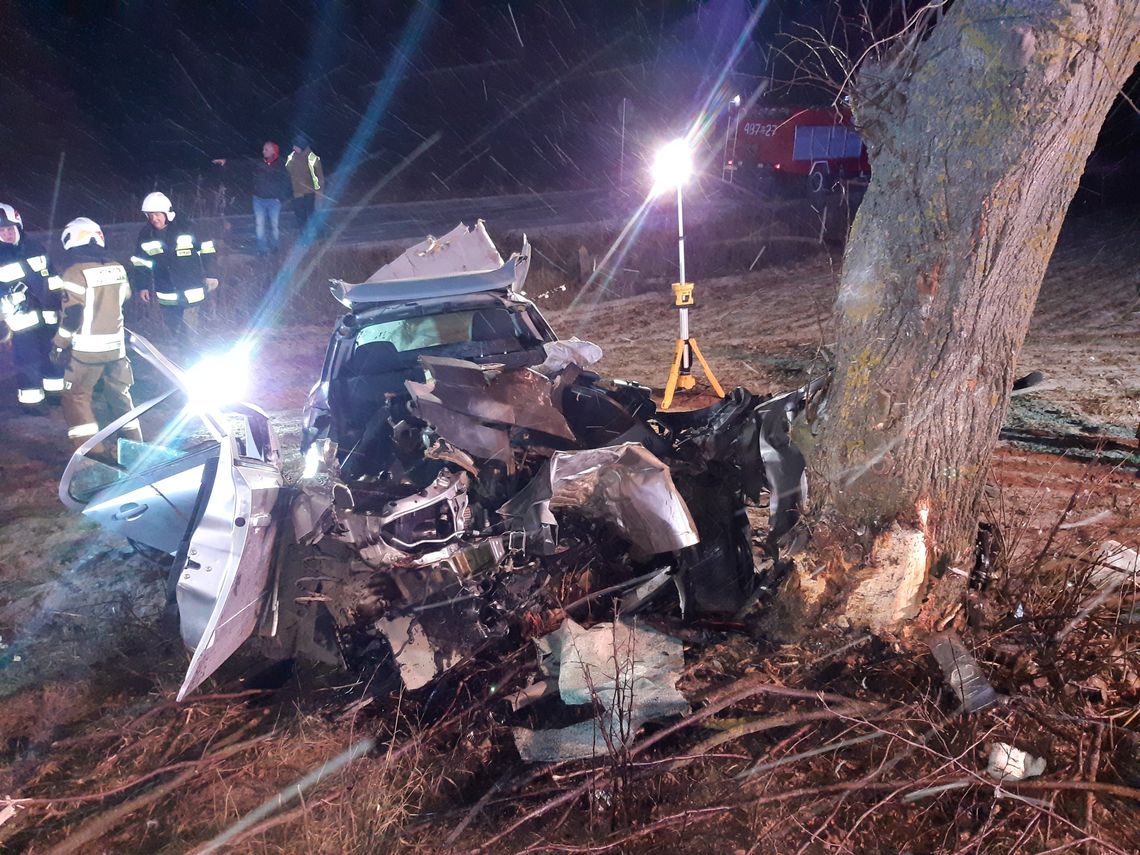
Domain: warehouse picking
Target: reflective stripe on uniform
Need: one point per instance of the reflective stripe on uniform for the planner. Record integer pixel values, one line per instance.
(30, 396)
(38, 263)
(206, 247)
(22, 321)
(91, 343)
(195, 295)
(108, 274)
(89, 429)
(163, 295)
(13, 271)
(15, 298)
(151, 247)
(141, 262)
(53, 384)
(72, 288)
(313, 169)
(184, 241)
(64, 332)
(50, 317)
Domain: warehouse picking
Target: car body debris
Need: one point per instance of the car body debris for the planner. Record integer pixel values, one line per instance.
(466, 475)
(621, 674)
(962, 673)
(1007, 763)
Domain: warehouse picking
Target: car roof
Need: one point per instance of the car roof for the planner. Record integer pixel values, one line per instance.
(365, 294)
(464, 261)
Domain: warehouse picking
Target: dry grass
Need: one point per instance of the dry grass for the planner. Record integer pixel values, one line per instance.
(843, 744)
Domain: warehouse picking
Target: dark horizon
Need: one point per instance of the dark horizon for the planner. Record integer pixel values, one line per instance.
(503, 97)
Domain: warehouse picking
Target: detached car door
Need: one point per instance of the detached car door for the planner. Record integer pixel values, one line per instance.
(207, 497)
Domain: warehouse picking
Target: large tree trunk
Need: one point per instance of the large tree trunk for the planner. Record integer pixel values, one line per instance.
(978, 136)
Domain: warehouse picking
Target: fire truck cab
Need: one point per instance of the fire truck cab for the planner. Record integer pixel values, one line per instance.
(815, 148)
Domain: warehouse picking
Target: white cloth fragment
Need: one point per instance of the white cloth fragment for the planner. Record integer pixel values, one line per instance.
(569, 351)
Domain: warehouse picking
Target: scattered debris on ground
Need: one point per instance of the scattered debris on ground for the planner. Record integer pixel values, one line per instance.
(842, 743)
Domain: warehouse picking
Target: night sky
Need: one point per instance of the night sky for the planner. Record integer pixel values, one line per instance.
(501, 97)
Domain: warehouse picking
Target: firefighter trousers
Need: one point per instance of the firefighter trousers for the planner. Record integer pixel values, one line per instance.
(181, 323)
(79, 382)
(36, 377)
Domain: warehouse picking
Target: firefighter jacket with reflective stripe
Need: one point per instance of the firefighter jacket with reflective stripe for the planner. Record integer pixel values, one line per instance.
(306, 171)
(94, 291)
(172, 262)
(27, 301)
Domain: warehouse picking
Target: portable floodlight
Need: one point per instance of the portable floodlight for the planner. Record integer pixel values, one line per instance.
(672, 167)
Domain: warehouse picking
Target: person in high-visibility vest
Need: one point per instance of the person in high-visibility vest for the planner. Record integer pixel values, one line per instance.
(308, 179)
(175, 267)
(29, 310)
(90, 344)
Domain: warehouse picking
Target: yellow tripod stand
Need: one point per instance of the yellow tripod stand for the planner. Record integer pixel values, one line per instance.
(681, 374)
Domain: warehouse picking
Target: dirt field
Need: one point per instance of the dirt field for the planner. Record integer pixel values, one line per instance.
(84, 649)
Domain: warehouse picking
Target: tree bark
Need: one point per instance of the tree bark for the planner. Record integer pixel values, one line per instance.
(978, 135)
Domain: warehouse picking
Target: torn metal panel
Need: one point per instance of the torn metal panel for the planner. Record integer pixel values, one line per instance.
(961, 672)
(518, 397)
(528, 512)
(461, 430)
(312, 511)
(717, 575)
(624, 485)
(784, 472)
(464, 261)
(441, 449)
(414, 653)
(625, 672)
(461, 250)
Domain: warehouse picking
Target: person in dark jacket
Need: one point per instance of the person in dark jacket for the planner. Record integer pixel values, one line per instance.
(175, 267)
(271, 185)
(29, 309)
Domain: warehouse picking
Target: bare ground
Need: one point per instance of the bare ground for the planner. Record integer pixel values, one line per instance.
(88, 668)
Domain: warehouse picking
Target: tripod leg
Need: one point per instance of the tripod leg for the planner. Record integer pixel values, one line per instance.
(674, 373)
(708, 371)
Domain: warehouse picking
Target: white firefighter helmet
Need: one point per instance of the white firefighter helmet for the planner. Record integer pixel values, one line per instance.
(82, 231)
(158, 203)
(9, 216)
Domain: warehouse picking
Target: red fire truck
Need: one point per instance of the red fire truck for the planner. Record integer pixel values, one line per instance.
(815, 147)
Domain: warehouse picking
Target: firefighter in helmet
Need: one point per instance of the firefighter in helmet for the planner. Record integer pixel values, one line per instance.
(30, 311)
(176, 267)
(90, 344)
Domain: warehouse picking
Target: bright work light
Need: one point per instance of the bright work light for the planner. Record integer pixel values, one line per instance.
(219, 379)
(672, 166)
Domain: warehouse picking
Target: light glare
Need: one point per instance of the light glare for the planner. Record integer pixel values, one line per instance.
(672, 166)
(218, 379)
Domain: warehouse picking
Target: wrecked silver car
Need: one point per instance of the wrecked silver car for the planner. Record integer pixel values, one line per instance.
(468, 480)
